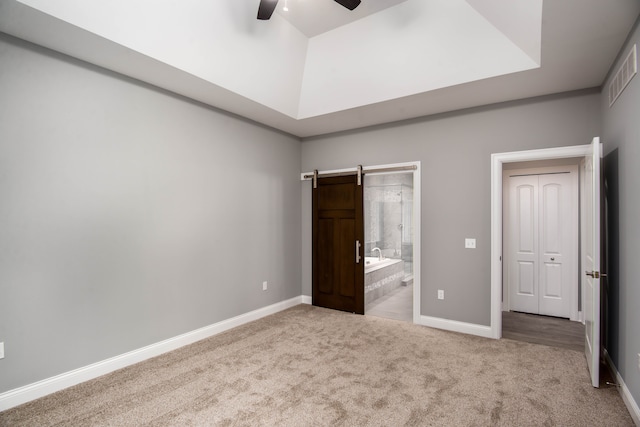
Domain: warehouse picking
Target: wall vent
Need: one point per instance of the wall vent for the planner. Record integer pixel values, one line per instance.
(625, 73)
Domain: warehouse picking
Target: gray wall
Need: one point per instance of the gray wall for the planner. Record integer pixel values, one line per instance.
(621, 138)
(455, 152)
(130, 215)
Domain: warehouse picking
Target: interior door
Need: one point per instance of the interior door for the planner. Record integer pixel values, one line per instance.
(338, 233)
(558, 244)
(523, 267)
(591, 260)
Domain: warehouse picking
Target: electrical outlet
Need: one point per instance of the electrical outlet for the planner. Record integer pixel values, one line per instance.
(1, 350)
(470, 243)
(440, 294)
(264, 286)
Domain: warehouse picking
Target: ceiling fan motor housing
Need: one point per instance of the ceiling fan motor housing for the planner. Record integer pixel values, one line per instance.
(349, 4)
(266, 8)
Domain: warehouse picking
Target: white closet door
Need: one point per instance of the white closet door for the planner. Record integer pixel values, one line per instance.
(523, 244)
(542, 244)
(558, 228)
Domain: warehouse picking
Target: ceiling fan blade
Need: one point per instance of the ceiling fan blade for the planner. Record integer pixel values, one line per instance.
(349, 4)
(266, 8)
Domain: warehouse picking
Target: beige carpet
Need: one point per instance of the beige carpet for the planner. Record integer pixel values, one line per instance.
(308, 366)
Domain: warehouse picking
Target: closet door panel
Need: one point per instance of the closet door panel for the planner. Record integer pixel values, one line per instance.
(523, 244)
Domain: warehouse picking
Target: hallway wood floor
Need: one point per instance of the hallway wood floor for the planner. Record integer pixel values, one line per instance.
(551, 331)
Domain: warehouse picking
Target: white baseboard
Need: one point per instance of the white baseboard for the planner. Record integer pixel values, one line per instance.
(438, 323)
(456, 326)
(42, 388)
(627, 398)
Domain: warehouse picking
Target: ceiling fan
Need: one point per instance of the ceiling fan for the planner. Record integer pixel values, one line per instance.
(266, 8)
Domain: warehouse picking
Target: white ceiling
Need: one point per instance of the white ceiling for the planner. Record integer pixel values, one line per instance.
(324, 68)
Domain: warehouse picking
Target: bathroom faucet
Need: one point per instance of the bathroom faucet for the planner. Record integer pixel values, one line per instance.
(379, 253)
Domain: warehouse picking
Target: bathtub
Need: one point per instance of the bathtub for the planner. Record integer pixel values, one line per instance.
(381, 277)
(373, 263)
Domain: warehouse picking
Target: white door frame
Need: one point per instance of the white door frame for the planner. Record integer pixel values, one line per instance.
(497, 160)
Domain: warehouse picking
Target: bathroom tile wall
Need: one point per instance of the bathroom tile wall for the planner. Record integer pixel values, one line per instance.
(384, 225)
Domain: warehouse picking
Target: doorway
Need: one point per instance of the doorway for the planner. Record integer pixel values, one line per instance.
(498, 162)
(540, 238)
(413, 168)
(388, 245)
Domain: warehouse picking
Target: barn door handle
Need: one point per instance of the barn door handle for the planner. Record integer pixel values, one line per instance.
(358, 252)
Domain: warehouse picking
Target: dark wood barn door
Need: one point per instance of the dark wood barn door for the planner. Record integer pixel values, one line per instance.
(338, 239)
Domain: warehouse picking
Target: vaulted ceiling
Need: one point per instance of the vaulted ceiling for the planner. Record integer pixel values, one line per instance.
(320, 68)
